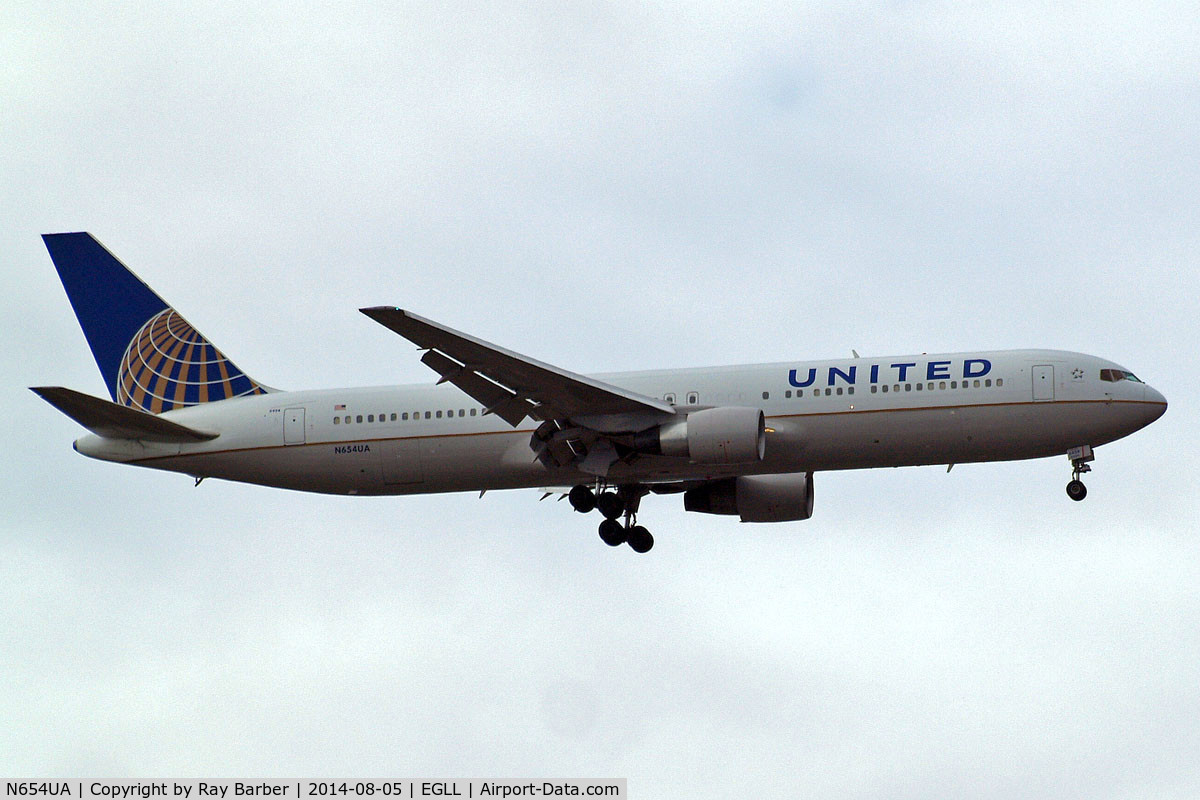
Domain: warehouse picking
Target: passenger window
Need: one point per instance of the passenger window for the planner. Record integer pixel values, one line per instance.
(885, 388)
(404, 417)
(953, 384)
(358, 418)
(766, 395)
(427, 415)
(472, 412)
(988, 383)
(896, 388)
(874, 390)
(337, 420)
(669, 397)
(999, 381)
(976, 384)
(693, 398)
(788, 394)
(850, 390)
(439, 414)
(839, 390)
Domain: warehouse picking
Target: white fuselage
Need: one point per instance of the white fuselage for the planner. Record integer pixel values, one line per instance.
(842, 414)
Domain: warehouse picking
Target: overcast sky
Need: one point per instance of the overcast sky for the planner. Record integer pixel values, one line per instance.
(609, 187)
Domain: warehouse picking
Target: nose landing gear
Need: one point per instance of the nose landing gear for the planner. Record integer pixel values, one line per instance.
(1080, 456)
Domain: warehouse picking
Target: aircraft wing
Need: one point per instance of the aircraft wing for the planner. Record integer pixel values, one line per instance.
(508, 384)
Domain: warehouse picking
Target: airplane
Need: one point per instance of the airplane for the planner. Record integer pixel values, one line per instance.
(742, 441)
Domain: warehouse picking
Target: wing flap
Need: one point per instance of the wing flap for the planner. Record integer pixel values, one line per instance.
(511, 385)
(496, 399)
(115, 421)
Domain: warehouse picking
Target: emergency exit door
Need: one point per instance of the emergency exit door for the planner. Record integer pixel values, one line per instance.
(1043, 382)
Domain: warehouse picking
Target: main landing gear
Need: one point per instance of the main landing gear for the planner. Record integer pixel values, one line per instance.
(1080, 456)
(623, 503)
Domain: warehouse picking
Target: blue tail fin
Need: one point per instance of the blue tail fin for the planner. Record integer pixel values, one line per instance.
(150, 357)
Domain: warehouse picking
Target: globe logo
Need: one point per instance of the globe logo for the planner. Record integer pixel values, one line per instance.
(169, 364)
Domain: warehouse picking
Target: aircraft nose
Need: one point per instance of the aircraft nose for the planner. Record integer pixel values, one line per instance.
(1157, 404)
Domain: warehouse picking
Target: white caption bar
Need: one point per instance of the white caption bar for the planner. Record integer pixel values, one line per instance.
(332, 790)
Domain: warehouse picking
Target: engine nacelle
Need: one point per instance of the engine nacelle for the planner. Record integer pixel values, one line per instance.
(724, 435)
(756, 498)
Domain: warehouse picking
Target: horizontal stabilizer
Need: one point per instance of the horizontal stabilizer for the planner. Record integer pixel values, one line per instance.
(115, 421)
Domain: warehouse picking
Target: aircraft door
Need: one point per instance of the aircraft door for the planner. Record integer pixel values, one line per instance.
(402, 461)
(293, 426)
(1043, 382)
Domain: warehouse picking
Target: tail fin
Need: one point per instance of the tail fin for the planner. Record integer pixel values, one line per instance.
(150, 357)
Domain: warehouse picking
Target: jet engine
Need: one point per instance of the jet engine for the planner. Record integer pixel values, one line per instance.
(756, 498)
(724, 435)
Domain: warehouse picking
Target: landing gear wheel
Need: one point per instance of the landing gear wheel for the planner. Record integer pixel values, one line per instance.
(640, 540)
(611, 533)
(582, 499)
(610, 505)
(1079, 456)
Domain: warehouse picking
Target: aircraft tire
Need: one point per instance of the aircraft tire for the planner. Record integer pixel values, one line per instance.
(1076, 490)
(640, 540)
(611, 533)
(610, 505)
(582, 499)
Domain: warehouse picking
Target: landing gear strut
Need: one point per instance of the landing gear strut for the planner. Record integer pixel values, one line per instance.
(613, 505)
(1080, 456)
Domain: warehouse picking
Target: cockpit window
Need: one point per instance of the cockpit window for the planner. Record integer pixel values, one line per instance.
(1114, 375)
